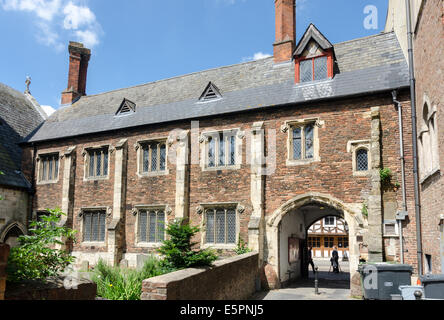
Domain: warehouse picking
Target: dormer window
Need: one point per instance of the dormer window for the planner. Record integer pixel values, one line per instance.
(313, 57)
(210, 93)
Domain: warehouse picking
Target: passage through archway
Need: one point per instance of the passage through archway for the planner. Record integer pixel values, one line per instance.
(287, 234)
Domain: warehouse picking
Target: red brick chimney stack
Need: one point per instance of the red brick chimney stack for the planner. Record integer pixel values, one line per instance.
(285, 30)
(78, 67)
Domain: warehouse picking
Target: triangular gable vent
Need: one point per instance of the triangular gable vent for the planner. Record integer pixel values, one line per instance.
(211, 93)
(127, 107)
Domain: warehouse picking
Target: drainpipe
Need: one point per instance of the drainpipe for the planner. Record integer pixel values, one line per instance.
(414, 136)
(402, 215)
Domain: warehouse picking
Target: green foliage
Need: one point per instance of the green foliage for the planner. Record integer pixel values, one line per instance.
(386, 175)
(35, 259)
(365, 209)
(178, 250)
(115, 283)
(242, 247)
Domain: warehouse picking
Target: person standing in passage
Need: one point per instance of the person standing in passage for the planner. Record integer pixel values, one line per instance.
(335, 260)
(310, 258)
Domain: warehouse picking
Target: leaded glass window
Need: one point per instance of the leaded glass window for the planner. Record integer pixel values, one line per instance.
(313, 69)
(94, 226)
(153, 157)
(98, 163)
(303, 142)
(49, 167)
(151, 226)
(362, 160)
(221, 226)
(221, 150)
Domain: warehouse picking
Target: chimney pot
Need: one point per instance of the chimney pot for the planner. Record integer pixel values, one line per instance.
(285, 30)
(78, 67)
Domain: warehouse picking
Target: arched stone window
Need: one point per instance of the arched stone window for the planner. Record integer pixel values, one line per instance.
(361, 157)
(11, 233)
(428, 141)
(362, 160)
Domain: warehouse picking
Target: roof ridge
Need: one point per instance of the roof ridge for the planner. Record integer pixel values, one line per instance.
(366, 37)
(175, 77)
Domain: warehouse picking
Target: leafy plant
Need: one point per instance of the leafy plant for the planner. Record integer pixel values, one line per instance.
(36, 258)
(365, 209)
(178, 250)
(115, 283)
(386, 175)
(242, 247)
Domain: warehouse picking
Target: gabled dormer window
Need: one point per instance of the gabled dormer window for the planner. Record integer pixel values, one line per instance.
(313, 57)
(210, 93)
(126, 107)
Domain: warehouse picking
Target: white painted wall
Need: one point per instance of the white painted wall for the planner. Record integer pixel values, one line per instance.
(290, 225)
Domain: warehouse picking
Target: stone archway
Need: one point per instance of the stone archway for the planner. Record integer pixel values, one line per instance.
(273, 259)
(11, 232)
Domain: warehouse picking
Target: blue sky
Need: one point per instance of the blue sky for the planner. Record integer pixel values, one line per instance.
(139, 41)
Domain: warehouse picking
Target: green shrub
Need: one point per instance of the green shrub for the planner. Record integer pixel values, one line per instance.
(364, 209)
(178, 250)
(115, 283)
(35, 258)
(386, 175)
(242, 247)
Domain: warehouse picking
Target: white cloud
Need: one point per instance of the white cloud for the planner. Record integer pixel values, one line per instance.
(58, 21)
(48, 110)
(256, 56)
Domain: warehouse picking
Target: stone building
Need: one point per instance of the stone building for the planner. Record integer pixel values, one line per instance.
(20, 115)
(251, 151)
(428, 45)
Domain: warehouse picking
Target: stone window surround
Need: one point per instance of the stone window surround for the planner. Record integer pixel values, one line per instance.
(239, 209)
(86, 177)
(287, 128)
(138, 148)
(353, 147)
(135, 212)
(108, 211)
(39, 164)
(392, 222)
(432, 113)
(203, 140)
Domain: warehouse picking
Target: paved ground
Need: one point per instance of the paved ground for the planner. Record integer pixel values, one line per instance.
(332, 286)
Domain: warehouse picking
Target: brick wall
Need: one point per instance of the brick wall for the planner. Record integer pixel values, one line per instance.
(429, 68)
(229, 279)
(345, 120)
(4, 254)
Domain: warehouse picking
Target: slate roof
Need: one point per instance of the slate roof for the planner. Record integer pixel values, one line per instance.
(19, 117)
(366, 65)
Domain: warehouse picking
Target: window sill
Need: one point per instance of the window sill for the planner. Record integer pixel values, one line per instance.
(427, 176)
(148, 244)
(390, 236)
(230, 168)
(362, 173)
(295, 163)
(219, 246)
(96, 179)
(94, 244)
(153, 174)
(42, 183)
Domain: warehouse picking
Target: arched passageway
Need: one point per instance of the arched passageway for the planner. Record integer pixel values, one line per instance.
(11, 234)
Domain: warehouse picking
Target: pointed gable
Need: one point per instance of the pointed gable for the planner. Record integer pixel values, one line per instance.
(126, 107)
(210, 93)
(313, 57)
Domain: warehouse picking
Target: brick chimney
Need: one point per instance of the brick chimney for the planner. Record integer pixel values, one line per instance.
(78, 67)
(285, 30)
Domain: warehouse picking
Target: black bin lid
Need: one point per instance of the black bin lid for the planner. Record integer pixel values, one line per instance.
(388, 267)
(432, 278)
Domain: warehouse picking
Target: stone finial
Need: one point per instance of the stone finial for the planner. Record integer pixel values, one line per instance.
(28, 83)
(199, 210)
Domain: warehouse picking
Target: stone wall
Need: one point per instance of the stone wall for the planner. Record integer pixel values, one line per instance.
(13, 213)
(230, 279)
(4, 254)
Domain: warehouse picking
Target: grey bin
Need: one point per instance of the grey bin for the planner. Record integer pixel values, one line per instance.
(433, 286)
(389, 278)
(408, 292)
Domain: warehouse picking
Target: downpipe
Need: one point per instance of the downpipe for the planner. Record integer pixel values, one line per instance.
(401, 216)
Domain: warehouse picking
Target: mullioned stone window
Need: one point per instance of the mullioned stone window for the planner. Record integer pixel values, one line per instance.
(152, 157)
(303, 141)
(93, 226)
(150, 224)
(97, 163)
(48, 168)
(221, 150)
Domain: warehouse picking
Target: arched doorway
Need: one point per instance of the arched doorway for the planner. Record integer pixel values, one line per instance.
(286, 233)
(11, 234)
